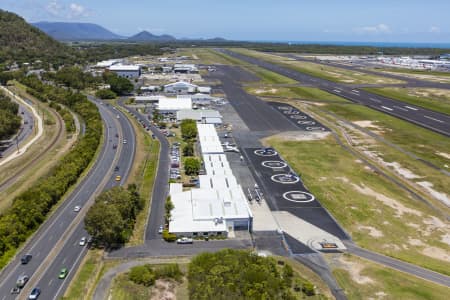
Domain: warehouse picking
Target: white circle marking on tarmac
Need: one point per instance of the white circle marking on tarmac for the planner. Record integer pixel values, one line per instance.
(279, 178)
(260, 152)
(315, 128)
(298, 197)
(267, 164)
(306, 122)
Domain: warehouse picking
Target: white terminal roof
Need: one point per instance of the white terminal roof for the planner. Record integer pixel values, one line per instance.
(197, 114)
(124, 68)
(209, 140)
(174, 103)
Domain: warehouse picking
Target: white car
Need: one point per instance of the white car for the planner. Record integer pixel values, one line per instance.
(83, 241)
(160, 230)
(185, 240)
(77, 208)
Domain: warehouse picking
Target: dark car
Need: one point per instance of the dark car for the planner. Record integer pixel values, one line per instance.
(34, 293)
(26, 259)
(116, 168)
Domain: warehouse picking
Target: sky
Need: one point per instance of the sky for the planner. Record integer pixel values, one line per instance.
(276, 20)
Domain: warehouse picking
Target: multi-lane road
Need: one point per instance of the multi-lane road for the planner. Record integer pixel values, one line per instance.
(56, 244)
(429, 119)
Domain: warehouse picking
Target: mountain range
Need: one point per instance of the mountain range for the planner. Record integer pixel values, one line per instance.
(68, 31)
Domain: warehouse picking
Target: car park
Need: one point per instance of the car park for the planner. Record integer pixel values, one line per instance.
(26, 259)
(185, 240)
(63, 273)
(34, 293)
(82, 241)
(77, 208)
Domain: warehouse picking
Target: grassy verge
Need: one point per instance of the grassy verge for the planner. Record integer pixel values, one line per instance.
(269, 77)
(412, 96)
(88, 275)
(319, 70)
(371, 281)
(378, 215)
(422, 142)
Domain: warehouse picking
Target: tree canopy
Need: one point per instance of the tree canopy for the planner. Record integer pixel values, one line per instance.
(9, 120)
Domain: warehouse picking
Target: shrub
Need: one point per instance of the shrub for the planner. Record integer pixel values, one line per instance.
(191, 166)
(169, 271)
(142, 275)
(105, 94)
(169, 237)
(308, 289)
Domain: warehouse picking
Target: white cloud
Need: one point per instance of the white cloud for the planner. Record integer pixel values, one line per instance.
(76, 10)
(434, 29)
(54, 8)
(377, 29)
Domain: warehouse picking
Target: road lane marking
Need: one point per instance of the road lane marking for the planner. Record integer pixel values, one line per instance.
(375, 100)
(355, 91)
(387, 108)
(401, 108)
(337, 91)
(413, 108)
(50, 282)
(434, 119)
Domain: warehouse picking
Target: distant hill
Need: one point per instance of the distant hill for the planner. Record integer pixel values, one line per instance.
(145, 36)
(21, 42)
(65, 31)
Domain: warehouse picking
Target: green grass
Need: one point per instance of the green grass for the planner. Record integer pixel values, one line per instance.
(269, 77)
(422, 142)
(330, 172)
(396, 285)
(440, 104)
(310, 93)
(303, 93)
(419, 72)
(124, 289)
(319, 70)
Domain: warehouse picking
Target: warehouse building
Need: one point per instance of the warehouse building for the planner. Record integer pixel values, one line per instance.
(126, 71)
(172, 105)
(218, 206)
(207, 116)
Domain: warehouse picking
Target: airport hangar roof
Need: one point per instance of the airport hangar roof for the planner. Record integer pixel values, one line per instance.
(174, 103)
(197, 114)
(209, 140)
(124, 68)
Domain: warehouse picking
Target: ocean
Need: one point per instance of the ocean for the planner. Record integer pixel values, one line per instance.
(371, 44)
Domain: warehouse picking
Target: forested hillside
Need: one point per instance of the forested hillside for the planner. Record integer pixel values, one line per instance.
(21, 42)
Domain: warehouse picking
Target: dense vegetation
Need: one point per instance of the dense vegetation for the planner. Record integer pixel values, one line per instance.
(119, 85)
(146, 274)
(191, 165)
(110, 220)
(105, 94)
(9, 120)
(30, 208)
(235, 274)
(73, 77)
(65, 114)
(21, 42)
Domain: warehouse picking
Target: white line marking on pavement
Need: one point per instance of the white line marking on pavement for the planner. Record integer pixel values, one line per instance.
(375, 100)
(387, 108)
(413, 108)
(434, 119)
(337, 91)
(50, 282)
(401, 108)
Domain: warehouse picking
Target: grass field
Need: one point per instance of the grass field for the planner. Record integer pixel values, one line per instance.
(437, 100)
(268, 77)
(362, 279)
(319, 70)
(377, 214)
(297, 92)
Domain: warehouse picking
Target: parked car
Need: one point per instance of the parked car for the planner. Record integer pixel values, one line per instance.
(34, 293)
(63, 273)
(26, 259)
(184, 240)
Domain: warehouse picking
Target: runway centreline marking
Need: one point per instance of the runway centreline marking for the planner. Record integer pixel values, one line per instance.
(413, 108)
(375, 100)
(387, 108)
(434, 119)
(401, 108)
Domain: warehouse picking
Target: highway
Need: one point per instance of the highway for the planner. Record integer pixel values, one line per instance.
(55, 245)
(426, 118)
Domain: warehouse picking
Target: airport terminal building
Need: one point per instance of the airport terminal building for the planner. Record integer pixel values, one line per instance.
(218, 206)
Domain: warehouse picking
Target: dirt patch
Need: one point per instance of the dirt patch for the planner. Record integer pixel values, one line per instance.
(373, 232)
(370, 125)
(428, 186)
(402, 171)
(265, 91)
(437, 253)
(355, 270)
(163, 290)
(446, 238)
(443, 154)
(399, 208)
(300, 136)
(415, 242)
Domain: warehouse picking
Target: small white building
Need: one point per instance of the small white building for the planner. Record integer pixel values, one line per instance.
(185, 68)
(204, 90)
(126, 71)
(150, 88)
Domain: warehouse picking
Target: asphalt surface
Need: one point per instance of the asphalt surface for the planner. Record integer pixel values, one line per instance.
(287, 195)
(24, 132)
(55, 244)
(426, 118)
(257, 114)
(300, 119)
(410, 81)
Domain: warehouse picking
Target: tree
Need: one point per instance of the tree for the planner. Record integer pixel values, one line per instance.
(119, 85)
(105, 94)
(188, 149)
(191, 166)
(188, 129)
(142, 275)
